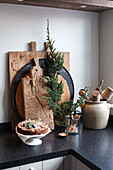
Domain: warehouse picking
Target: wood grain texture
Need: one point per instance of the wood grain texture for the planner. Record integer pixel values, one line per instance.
(16, 61)
(35, 105)
(92, 5)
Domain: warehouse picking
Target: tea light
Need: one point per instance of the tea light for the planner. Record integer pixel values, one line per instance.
(62, 134)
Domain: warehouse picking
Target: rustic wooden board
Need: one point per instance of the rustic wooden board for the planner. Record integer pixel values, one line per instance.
(16, 61)
(35, 105)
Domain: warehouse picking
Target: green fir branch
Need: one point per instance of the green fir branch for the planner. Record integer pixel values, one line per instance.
(54, 63)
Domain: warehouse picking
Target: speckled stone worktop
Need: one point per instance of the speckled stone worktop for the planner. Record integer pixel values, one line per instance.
(92, 147)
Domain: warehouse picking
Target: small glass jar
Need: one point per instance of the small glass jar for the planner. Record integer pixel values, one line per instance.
(68, 121)
(74, 124)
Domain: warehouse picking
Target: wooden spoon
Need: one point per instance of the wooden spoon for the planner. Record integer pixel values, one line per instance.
(95, 95)
(100, 86)
(82, 93)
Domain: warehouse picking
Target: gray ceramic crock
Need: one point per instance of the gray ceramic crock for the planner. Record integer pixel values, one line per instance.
(95, 115)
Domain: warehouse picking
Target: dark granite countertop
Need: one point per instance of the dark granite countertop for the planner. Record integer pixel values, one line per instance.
(92, 147)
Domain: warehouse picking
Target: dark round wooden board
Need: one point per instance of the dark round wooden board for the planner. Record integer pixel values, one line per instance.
(25, 70)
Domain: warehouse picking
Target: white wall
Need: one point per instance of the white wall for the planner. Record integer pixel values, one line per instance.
(74, 31)
(106, 49)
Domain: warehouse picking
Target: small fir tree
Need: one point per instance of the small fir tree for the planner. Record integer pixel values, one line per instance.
(54, 63)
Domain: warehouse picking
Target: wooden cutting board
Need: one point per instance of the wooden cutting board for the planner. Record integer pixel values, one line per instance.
(19, 59)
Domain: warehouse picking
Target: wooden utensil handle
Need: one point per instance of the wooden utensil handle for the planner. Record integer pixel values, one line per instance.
(96, 95)
(82, 92)
(101, 83)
